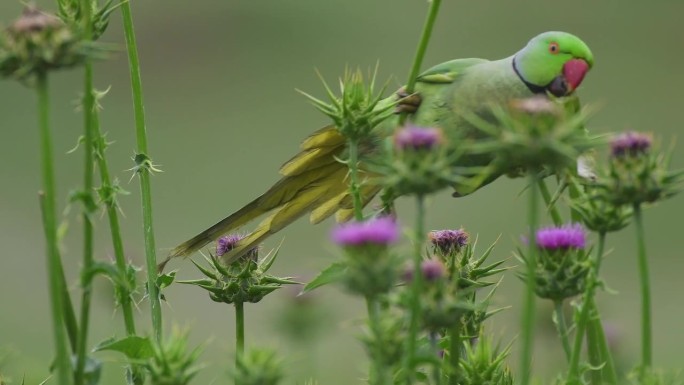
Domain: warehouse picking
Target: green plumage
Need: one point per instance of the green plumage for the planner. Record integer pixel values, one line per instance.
(314, 182)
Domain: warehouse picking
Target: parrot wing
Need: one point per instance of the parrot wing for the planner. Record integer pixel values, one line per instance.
(448, 71)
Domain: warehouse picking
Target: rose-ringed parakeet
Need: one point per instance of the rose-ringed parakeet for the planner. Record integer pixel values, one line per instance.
(313, 182)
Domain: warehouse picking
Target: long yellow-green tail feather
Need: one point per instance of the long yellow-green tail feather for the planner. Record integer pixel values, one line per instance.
(313, 178)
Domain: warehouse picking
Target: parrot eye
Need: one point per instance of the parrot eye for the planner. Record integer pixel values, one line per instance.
(553, 48)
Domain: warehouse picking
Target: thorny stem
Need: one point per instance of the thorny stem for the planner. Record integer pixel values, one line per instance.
(420, 52)
(354, 186)
(646, 344)
(529, 300)
(124, 299)
(62, 360)
(143, 172)
(88, 199)
(562, 327)
(416, 287)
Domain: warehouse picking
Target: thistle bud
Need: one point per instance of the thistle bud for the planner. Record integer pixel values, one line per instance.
(636, 174)
(562, 263)
(446, 243)
(245, 280)
(419, 163)
(357, 109)
(371, 268)
(531, 134)
(38, 42)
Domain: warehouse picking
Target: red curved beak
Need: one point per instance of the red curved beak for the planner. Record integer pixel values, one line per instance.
(574, 71)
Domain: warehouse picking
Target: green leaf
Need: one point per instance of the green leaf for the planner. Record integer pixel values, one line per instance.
(165, 280)
(133, 347)
(331, 274)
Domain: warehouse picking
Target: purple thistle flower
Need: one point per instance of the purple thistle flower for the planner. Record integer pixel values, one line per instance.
(227, 243)
(432, 269)
(630, 144)
(378, 231)
(417, 138)
(448, 241)
(570, 236)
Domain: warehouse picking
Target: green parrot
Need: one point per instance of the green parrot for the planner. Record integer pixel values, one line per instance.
(313, 181)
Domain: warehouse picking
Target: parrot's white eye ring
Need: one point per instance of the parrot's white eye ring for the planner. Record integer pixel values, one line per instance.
(553, 47)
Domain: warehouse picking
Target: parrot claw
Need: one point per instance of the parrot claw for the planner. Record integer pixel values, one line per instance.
(408, 103)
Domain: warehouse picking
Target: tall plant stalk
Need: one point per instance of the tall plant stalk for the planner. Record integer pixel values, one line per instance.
(528, 315)
(420, 51)
(354, 185)
(48, 203)
(144, 169)
(416, 288)
(562, 327)
(239, 332)
(586, 322)
(88, 199)
(644, 281)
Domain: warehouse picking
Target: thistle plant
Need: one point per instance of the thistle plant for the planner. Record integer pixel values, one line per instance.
(562, 267)
(170, 362)
(424, 326)
(243, 281)
(635, 176)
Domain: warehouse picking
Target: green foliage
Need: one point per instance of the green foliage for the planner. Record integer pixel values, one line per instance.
(483, 363)
(258, 367)
(358, 108)
(331, 274)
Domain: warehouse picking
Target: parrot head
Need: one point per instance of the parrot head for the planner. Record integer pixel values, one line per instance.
(554, 61)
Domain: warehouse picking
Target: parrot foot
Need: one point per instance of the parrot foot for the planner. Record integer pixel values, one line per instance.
(408, 103)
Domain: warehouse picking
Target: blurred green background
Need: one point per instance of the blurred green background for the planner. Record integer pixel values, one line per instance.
(219, 80)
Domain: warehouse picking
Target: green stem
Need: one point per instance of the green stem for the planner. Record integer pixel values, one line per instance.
(420, 52)
(416, 288)
(70, 322)
(528, 315)
(599, 352)
(239, 332)
(646, 339)
(62, 359)
(590, 321)
(454, 352)
(562, 327)
(436, 369)
(125, 300)
(550, 206)
(378, 364)
(88, 134)
(354, 186)
(143, 172)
